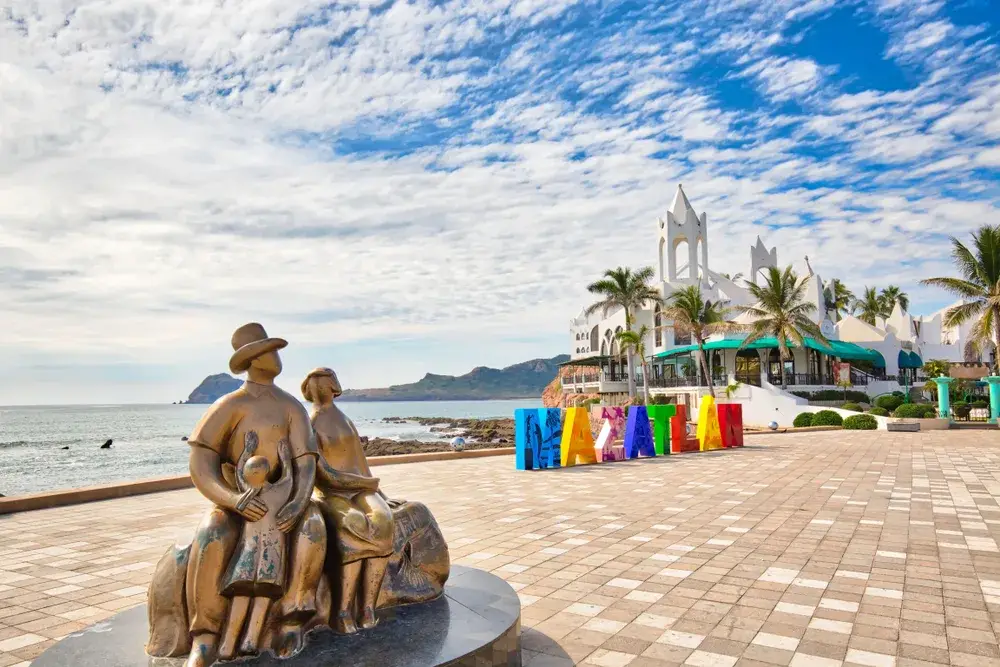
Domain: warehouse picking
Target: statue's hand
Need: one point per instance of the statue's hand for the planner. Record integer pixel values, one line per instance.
(252, 510)
(289, 515)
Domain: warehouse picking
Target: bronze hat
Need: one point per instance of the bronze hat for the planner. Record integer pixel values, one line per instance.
(249, 342)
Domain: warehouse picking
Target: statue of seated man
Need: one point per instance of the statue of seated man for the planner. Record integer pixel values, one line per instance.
(358, 515)
(262, 413)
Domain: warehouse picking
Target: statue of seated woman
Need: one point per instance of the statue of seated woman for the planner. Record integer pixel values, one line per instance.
(358, 515)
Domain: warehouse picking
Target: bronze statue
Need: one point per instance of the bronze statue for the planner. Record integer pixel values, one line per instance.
(354, 508)
(262, 570)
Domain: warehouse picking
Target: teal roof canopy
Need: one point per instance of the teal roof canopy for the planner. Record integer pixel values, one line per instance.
(836, 348)
(909, 360)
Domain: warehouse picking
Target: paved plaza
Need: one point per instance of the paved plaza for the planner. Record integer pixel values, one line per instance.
(853, 548)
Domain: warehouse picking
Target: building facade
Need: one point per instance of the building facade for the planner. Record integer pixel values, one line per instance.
(882, 357)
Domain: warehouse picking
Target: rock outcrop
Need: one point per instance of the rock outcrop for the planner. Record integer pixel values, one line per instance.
(554, 397)
(213, 388)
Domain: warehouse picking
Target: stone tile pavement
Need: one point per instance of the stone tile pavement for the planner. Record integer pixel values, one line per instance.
(834, 548)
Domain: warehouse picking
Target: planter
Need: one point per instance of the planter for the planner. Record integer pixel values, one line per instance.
(906, 424)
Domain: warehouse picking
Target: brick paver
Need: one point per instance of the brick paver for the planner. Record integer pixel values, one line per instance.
(832, 548)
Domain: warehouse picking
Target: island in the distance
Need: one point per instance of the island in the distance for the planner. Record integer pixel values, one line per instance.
(524, 380)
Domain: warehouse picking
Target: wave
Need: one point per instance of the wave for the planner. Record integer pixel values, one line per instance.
(42, 443)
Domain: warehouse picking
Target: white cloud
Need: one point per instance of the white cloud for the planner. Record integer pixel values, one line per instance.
(234, 166)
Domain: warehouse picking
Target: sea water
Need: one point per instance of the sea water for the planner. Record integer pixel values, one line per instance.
(147, 438)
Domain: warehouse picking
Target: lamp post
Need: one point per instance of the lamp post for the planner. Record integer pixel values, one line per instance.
(944, 406)
(994, 381)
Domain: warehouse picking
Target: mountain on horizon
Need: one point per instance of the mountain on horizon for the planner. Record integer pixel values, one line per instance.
(524, 380)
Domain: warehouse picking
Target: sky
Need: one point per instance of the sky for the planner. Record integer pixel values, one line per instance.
(402, 187)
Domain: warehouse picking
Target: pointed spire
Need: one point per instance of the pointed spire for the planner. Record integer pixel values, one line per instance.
(681, 205)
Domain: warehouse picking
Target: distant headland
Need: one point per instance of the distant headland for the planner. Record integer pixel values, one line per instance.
(524, 380)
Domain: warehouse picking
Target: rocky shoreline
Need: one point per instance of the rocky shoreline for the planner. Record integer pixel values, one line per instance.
(478, 434)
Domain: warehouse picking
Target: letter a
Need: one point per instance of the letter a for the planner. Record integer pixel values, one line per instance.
(577, 442)
(638, 438)
(709, 433)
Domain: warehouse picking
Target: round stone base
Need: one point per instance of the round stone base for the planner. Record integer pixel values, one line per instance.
(476, 623)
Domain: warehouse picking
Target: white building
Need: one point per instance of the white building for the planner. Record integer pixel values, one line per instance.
(883, 358)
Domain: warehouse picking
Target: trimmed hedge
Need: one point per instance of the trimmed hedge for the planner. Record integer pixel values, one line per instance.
(880, 412)
(962, 409)
(916, 411)
(890, 403)
(802, 419)
(833, 395)
(827, 418)
(861, 423)
(853, 407)
(980, 405)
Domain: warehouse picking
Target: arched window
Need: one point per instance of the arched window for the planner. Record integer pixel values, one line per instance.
(657, 326)
(604, 349)
(595, 338)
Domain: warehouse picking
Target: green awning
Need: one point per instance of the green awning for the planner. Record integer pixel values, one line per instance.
(909, 360)
(837, 348)
(595, 360)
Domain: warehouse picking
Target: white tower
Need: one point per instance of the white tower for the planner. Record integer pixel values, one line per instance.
(683, 225)
(761, 258)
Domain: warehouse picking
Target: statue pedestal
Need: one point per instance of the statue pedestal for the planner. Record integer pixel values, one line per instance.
(477, 622)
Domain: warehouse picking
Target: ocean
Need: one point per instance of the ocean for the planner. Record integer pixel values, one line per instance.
(147, 438)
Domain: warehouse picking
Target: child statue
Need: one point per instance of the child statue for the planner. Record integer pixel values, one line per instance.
(256, 573)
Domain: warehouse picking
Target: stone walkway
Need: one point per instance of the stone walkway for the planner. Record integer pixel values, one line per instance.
(818, 549)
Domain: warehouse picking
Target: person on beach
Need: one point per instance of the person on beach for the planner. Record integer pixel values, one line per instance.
(218, 443)
(358, 515)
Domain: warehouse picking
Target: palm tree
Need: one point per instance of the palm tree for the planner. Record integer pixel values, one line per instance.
(621, 288)
(691, 314)
(732, 278)
(838, 298)
(890, 296)
(783, 312)
(634, 341)
(979, 288)
(870, 307)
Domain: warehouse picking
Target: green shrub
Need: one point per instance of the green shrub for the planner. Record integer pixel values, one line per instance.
(898, 394)
(913, 410)
(659, 399)
(853, 407)
(802, 394)
(803, 419)
(835, 395)
(962, 409)
(890, 403)
(880, 412)
(827, 418)
(930, 411)
(980, 405)
(861, 423)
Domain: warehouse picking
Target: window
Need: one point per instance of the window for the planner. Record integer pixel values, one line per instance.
(657, 327)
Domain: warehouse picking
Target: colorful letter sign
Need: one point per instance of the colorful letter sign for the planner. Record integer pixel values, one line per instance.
(709, 433)
(661, 416)
(577, 442)
(638, 437)
(612, 427)
(542, 440)
(731, 421)
(680, 442)
(537, 436)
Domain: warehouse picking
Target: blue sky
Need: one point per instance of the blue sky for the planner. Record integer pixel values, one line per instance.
(404, 187)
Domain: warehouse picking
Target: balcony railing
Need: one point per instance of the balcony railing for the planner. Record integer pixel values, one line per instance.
(687, 381)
